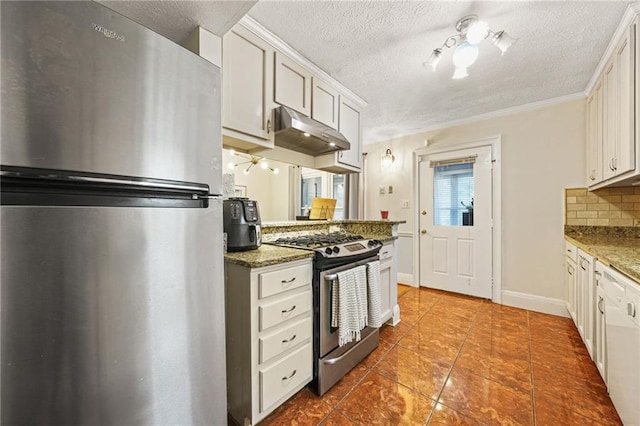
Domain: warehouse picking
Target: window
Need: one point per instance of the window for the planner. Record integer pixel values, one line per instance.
(315, 183)
(453, 195)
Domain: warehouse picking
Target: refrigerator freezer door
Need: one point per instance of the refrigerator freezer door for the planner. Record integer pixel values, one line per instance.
(112, 316)
(86, 89)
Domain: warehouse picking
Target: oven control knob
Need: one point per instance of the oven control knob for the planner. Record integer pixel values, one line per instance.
(378, 242)
(336, 249)
(371, 243)
(328, 250)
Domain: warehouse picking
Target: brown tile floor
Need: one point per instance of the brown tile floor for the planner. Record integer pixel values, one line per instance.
(457, 360)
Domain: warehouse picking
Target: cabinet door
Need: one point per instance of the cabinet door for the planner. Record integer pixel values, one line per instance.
(610, 88)
(585, 276)
(324, 103)
(625, 59)
(570, 285)
(600, 347)
(292, 84)
(385, 289)
(350, 126)
(594, 135)
(247, 84)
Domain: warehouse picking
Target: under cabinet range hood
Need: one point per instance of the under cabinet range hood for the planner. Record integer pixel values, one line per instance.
(300, 133)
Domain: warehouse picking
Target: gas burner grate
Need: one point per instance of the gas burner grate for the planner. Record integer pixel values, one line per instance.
(319, 240)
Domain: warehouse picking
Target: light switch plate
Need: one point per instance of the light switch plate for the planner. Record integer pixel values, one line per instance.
(382, 190)
(390, 189)
(405, 204)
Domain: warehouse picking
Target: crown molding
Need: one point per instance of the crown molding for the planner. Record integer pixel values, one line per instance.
(627, 18)
(494, 114)
(275, 41)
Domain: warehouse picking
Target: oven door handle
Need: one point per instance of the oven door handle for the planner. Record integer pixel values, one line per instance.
(339, 358)
(331, 277)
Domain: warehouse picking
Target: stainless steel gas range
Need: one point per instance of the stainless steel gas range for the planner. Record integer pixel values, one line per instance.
(334, 253)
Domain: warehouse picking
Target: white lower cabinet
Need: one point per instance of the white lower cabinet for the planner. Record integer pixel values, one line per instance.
(570, 280)
(388, 281)
(599, 338)
(269, 325)
(586, 292)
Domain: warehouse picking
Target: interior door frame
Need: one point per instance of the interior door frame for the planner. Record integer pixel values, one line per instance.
(495, 142)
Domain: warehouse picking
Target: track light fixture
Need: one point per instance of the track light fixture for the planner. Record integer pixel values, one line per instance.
(471, 31)
(251, 160)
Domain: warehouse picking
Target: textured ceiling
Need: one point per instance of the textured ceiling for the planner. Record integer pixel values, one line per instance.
(377, 49)
(176, 19)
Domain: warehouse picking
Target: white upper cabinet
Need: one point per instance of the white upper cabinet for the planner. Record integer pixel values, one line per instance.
(247, 90)
(613, 118)
(594, 134)
(324, 103)
(625, 105)
(350, 126)
(292, 84)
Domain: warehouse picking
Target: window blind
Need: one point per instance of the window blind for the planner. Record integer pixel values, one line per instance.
(453, 187)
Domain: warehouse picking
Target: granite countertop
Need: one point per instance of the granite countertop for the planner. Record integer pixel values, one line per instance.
(618, 249)
(302, 223)
(267, 255)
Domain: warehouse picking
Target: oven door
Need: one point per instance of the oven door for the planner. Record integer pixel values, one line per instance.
(328, 334)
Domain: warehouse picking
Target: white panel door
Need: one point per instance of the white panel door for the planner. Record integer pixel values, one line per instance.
(456, 221)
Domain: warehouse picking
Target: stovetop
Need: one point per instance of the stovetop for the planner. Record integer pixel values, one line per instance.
(333, 245)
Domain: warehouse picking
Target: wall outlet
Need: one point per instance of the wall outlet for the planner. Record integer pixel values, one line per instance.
(382, 190)
(390, 189)
(405, 204)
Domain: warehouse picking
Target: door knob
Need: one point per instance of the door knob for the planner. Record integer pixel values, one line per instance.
(424, 231)
(424, 212)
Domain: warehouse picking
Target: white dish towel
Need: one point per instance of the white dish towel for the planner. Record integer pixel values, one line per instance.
(373, 284)
(349, 304)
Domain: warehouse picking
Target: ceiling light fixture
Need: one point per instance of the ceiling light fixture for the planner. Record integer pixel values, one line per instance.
(252, 160)
(471, 31)
(388, 158)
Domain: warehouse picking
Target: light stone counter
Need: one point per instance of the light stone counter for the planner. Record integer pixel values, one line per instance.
(266, 255)
(618, 247)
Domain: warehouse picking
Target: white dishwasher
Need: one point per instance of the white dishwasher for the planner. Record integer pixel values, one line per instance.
(622, 302)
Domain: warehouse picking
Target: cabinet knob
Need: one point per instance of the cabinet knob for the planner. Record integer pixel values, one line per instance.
(268, 126)
(631, 309)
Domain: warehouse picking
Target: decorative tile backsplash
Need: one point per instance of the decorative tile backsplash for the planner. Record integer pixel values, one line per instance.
(602, 207)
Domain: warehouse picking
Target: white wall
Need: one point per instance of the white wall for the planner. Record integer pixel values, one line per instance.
(543, 151)
(269, 190)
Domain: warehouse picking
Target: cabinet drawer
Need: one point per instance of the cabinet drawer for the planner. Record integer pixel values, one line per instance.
(275, 344)
(276, 312)
(571, 251)
(287, 375)
(386, 252)
(275, 282)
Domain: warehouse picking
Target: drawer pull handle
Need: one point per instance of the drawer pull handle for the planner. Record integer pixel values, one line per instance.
(290, 376)
(289, 340)
(287, 281)
(600, 305)
(286, 311)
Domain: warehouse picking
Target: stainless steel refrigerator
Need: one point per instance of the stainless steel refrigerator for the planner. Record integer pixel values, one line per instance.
(112, 290)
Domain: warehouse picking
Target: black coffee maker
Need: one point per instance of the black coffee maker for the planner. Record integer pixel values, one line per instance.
(241, 221)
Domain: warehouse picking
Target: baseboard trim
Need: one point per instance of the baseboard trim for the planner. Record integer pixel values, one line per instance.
(546, 305)
(406, 279)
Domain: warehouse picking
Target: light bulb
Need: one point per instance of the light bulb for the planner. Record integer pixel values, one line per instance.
(433, 60)
(231, 166)
(246, 171)
(306, 134)
(477, 32)
(264, 165)
(276, 171)
(503, 41)
(465, 55)
(232, 152)
(460, 73)
(332, 144)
